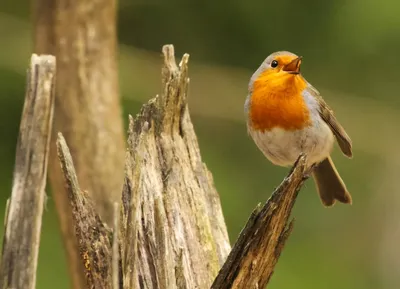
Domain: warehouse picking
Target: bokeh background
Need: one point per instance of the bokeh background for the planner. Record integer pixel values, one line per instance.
(351, 54)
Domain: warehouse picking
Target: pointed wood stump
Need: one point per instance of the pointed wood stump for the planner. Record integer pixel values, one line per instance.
(170, 231)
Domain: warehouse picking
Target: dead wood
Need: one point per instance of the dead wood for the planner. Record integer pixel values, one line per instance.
(24, 210)
(171, 231)
(82, 35)
(255, 254)
(173, 234)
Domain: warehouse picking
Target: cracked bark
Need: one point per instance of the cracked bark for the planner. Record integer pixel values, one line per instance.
(178, 237)
(172, 231)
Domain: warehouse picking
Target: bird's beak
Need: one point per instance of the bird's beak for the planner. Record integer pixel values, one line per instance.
(293, 67)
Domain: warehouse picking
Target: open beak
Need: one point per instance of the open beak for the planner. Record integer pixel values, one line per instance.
(294, 66)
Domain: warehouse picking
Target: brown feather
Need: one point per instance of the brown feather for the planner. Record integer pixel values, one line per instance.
(330, 185)
(327, 115)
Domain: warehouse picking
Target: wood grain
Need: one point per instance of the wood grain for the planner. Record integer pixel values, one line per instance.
(25, 207)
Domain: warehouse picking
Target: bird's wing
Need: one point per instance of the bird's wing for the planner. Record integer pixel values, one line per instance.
(327, 115)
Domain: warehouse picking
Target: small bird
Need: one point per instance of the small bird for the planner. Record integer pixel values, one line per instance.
(286, 116)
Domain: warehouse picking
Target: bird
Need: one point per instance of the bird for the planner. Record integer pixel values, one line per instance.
(286, 117)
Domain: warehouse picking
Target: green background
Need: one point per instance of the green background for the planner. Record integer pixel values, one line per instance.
(351, 54)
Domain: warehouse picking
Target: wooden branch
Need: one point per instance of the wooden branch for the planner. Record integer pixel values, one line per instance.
(94, 237)
(174, 234)
(25, 208)
(253, 258)
(82, 35)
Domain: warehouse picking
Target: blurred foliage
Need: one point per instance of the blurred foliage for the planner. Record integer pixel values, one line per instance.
(349, 50)
(351, 44)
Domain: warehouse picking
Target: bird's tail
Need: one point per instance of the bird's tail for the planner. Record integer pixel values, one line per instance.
(330, 185)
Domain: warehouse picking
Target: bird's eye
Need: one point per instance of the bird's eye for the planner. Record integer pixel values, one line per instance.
(274, 63)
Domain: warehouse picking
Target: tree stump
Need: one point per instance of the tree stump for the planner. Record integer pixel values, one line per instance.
(172, 232)
(168, 230)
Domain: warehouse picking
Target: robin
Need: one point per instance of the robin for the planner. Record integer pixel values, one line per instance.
(286, 116)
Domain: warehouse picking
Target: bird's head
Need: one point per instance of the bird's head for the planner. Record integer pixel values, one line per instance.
(278, 70)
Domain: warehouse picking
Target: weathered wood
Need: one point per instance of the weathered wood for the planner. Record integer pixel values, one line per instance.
(171, 232)
(82, 35)
(94, 237)
(25, 208)
(116, 260)
(177, 222)
(253, 258)
(130, 201)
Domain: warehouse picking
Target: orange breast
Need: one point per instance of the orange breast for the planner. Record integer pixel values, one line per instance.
(278, 103)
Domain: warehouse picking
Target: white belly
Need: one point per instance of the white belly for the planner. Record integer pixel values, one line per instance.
(284, 147)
